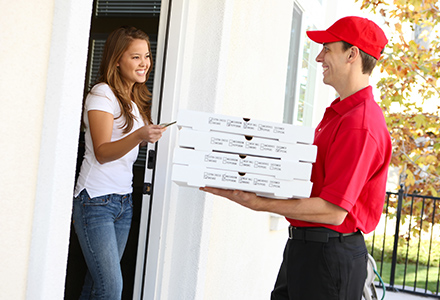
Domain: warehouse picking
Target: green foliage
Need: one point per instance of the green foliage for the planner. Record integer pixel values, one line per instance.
(410, 71)
(407, 250)
(422, 262)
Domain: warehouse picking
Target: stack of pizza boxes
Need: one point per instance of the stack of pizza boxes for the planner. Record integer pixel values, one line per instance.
(270, 159)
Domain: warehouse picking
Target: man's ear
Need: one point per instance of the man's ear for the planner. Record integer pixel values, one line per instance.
(353, 53)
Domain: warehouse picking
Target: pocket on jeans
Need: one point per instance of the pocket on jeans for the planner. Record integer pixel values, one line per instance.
(96, 211)
(100, 200)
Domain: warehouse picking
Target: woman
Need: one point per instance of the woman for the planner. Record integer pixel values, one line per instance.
(117, 116)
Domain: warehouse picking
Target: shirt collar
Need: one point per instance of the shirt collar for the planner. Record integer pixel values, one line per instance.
(342, 107)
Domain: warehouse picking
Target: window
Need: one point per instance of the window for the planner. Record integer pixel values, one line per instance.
(301, 73)
(134, 8)
(292, 66)
(306, 82)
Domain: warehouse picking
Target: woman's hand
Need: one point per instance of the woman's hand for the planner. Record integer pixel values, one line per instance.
(150, 133)
(101, 126)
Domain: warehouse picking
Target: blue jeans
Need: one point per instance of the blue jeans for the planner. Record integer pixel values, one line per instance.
(102, 225)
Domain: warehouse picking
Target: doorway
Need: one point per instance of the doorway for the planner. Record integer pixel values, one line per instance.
(108, 15)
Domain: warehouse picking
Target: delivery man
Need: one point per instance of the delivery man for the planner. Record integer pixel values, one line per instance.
(325, 256)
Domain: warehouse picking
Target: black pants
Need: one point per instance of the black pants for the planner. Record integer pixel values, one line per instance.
(335, 270)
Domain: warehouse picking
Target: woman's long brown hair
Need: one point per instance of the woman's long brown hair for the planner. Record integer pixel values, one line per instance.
(115, 46)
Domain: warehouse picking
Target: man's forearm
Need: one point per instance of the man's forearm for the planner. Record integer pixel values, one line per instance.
(315, 210)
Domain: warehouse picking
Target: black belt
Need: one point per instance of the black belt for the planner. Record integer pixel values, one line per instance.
(316, 234)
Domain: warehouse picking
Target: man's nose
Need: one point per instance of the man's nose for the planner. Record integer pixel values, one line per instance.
(320, 56)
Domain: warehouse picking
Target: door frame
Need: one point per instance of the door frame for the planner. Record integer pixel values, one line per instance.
(150, 272)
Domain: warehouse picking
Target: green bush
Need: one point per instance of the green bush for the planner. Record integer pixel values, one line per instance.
(412, 274)
(412, 250)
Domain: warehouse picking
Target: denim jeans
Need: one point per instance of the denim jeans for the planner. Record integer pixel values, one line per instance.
(102, 225)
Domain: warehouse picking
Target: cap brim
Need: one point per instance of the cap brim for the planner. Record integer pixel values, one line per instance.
(322, 36)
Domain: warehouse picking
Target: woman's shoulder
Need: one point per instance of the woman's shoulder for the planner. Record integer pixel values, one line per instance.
(101, 89)
(101, 96)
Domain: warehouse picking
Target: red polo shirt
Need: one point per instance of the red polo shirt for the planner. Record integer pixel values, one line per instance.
(354, 152)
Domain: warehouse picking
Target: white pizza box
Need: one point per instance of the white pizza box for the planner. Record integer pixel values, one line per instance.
(241, 144)
(280, 169)
(203, 121)
(197, 176)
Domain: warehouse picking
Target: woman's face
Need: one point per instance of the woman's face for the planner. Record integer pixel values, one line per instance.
(135, 62)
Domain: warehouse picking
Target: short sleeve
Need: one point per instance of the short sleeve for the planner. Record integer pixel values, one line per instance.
(353, 159)
(102, 98)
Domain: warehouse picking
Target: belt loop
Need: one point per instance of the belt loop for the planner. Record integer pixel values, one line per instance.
(341, 237)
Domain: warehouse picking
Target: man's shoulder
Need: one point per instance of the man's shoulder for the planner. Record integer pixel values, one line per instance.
(366, 115)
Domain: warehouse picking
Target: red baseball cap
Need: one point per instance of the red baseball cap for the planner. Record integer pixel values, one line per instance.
(357, 31)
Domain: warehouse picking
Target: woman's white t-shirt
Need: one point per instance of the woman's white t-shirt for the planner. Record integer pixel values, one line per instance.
(115, 177)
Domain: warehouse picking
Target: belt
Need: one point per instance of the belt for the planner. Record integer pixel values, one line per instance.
(316, 234)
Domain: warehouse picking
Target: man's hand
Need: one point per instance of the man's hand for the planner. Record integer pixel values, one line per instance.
(247, 199)
(316, 210)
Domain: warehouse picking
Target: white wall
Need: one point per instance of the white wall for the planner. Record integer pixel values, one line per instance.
(43, 51)
(22, 85)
